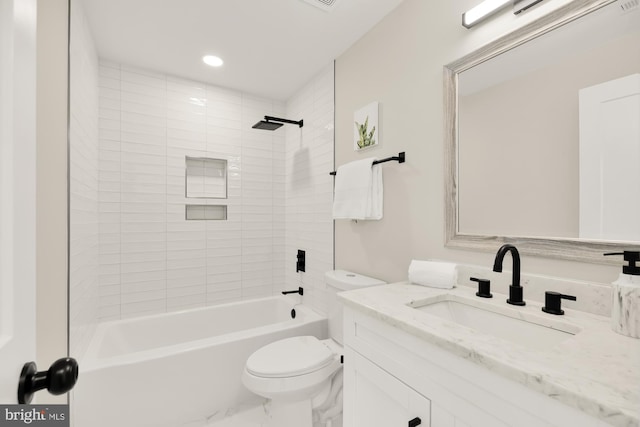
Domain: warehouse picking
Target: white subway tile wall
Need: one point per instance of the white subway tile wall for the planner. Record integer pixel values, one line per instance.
(308, 198)
(133, 251)
(157, 260)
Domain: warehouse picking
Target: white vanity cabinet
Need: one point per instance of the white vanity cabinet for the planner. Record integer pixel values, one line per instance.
(377, 398)
(392, 376)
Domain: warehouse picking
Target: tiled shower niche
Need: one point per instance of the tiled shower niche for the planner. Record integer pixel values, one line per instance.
(205, 178)
(205, 212)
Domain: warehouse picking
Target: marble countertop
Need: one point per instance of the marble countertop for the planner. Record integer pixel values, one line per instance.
(596, 371)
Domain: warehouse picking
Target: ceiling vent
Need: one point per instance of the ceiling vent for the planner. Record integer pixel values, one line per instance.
(326, 5)
(629, 5)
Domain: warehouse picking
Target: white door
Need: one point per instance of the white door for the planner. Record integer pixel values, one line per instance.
(17, 191)
(610, 160)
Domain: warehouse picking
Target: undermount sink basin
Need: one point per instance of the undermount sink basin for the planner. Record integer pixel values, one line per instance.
(532, 331)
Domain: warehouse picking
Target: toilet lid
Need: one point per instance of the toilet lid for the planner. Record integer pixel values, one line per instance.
(289, 357)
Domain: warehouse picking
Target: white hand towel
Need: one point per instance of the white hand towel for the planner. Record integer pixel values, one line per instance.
(358, 191)
(434, 274)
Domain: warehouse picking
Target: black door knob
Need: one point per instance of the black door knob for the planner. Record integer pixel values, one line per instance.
(59, 379)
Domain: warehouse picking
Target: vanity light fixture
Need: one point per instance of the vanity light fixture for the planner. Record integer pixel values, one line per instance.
(212, 60)
(483, 11)
(522, 5)
(489, 7)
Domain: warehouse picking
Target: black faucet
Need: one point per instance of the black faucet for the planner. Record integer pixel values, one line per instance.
(515, 290)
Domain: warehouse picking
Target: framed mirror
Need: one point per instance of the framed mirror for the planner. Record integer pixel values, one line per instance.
(542, 134)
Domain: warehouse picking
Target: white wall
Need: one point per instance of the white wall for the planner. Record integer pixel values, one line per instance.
(152, 259)
(399, 63)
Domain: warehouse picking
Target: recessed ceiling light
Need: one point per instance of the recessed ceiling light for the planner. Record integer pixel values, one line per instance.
(212, 60)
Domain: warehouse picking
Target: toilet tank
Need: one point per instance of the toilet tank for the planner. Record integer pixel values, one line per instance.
(340, 281)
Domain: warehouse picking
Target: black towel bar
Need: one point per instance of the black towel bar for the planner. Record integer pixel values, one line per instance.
(399, 158)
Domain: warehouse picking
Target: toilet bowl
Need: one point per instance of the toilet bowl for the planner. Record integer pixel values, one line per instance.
(301, 375)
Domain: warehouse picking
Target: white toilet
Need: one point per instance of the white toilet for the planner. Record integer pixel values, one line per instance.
(302, 375)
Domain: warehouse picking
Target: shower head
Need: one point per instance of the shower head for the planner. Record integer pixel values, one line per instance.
(266, 125)
(271, 123)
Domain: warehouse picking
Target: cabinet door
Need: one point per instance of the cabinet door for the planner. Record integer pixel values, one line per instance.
(375, 398)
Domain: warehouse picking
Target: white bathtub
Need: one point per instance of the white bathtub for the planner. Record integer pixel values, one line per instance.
(180, 368)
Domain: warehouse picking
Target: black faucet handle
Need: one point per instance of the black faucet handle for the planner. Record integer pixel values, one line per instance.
(552, 301)
(632, 257)
(484, 287)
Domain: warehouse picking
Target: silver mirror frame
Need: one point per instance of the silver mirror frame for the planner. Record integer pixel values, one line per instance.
(571, 249)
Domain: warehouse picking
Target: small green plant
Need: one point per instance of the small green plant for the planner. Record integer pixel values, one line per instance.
(366, 138)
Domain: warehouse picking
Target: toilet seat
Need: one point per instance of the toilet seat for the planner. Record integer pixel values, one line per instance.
(302, 371)
(290, 357)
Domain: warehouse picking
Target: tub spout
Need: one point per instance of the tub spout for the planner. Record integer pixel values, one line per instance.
(299, 291)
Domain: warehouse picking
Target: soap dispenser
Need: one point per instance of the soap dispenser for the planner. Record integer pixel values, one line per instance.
(625, 314)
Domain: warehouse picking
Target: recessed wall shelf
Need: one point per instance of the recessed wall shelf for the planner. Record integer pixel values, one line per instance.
(205, 212)
(205, 178)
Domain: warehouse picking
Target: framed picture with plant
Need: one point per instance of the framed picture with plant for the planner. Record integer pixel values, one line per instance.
(366, 132)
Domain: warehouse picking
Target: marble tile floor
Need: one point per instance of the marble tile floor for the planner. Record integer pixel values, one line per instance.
(251, 417)
(255, 415)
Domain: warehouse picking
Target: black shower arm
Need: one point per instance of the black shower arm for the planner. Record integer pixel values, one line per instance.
(277, 119)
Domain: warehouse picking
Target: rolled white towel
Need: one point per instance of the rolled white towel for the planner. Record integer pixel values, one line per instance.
(434, 274)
